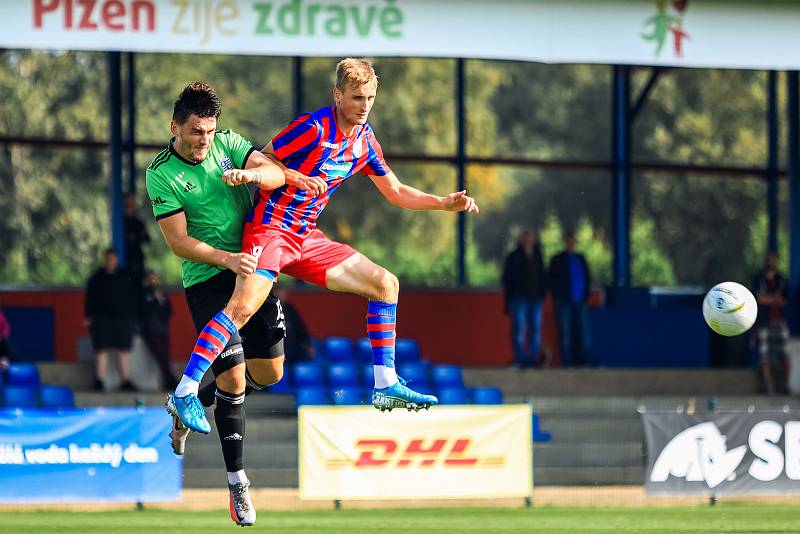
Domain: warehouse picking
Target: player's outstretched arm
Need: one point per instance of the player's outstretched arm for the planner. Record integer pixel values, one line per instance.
(316, 185)
(187, 247)
(259, 170)
(408, 197)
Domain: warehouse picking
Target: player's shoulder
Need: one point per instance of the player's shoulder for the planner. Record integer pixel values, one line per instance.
(226, 135)
(229, 141)
(311, 120)
(161, 158)
(319, 114)
(318, 117)
(367, 129)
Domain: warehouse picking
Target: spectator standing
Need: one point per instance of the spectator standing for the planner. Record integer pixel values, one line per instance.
(297, 344)
(110, 311)
(156, 312)
(135, 236)
(524, 292)
(771, 289)
(570, 280)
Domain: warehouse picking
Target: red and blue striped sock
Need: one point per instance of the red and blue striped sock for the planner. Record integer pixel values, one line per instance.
(381, 321)
(210, 343)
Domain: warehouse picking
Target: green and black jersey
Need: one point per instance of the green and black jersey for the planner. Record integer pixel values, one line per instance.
(214, 211)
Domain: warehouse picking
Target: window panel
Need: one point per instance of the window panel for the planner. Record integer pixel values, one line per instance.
(548, 201)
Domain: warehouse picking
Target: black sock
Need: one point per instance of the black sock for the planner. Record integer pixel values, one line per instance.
(206, 394)
(229, 416)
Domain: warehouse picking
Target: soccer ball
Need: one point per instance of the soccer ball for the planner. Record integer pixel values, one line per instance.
(730, 309)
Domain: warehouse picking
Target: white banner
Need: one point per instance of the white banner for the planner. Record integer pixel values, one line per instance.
(654, 32)
(448, 452)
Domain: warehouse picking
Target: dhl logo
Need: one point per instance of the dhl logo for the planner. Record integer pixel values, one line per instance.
(417, 452)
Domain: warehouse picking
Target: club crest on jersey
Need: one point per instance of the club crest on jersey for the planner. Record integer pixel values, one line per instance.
(358, 147)
(334, 168)
(226, 163)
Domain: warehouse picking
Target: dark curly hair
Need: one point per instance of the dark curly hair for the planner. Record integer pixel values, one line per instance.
(198, 99)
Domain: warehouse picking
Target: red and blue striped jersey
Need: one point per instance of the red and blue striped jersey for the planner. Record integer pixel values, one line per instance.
(313, 145)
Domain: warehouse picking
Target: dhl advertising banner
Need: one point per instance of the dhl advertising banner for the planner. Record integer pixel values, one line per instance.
(692, 33)
(447, 452)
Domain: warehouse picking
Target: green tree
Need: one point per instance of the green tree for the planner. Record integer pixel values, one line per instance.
(53, 213)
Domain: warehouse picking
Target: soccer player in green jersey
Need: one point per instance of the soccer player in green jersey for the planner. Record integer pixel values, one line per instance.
(198, 190)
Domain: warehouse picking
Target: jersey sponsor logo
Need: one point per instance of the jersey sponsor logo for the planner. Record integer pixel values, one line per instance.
(226, 163)
(326, 144)
(158, 201)
(187, 185)
(334, 168)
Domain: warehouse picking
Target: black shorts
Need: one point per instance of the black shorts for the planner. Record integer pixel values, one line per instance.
(112, 333)
(262, 336)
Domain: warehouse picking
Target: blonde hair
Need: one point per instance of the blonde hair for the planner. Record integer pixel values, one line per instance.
(355, 72)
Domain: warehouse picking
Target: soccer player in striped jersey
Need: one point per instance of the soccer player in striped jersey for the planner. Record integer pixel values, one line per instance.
(319, 151)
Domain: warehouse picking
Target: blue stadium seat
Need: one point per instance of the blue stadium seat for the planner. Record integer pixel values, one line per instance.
(348, 396)
(454, 395)
(425, 390)
(447, 376)
(538, 434)
(21, 396)
(367, 375)
(414, 372)
(307, 374)
(56, 397)
(363, 350)
(312, 397)
(284, 386)
(23, 374)
(487, 396)
(406, 350)
(342, 375)
(316, 348)
(337, 349)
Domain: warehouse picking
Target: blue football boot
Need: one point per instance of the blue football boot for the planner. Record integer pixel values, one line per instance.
(190, 411)
(401, 396)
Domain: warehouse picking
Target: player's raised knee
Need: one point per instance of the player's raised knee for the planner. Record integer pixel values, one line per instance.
(389, 287)
(233, 380)
(263, 373)
(240, 312)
